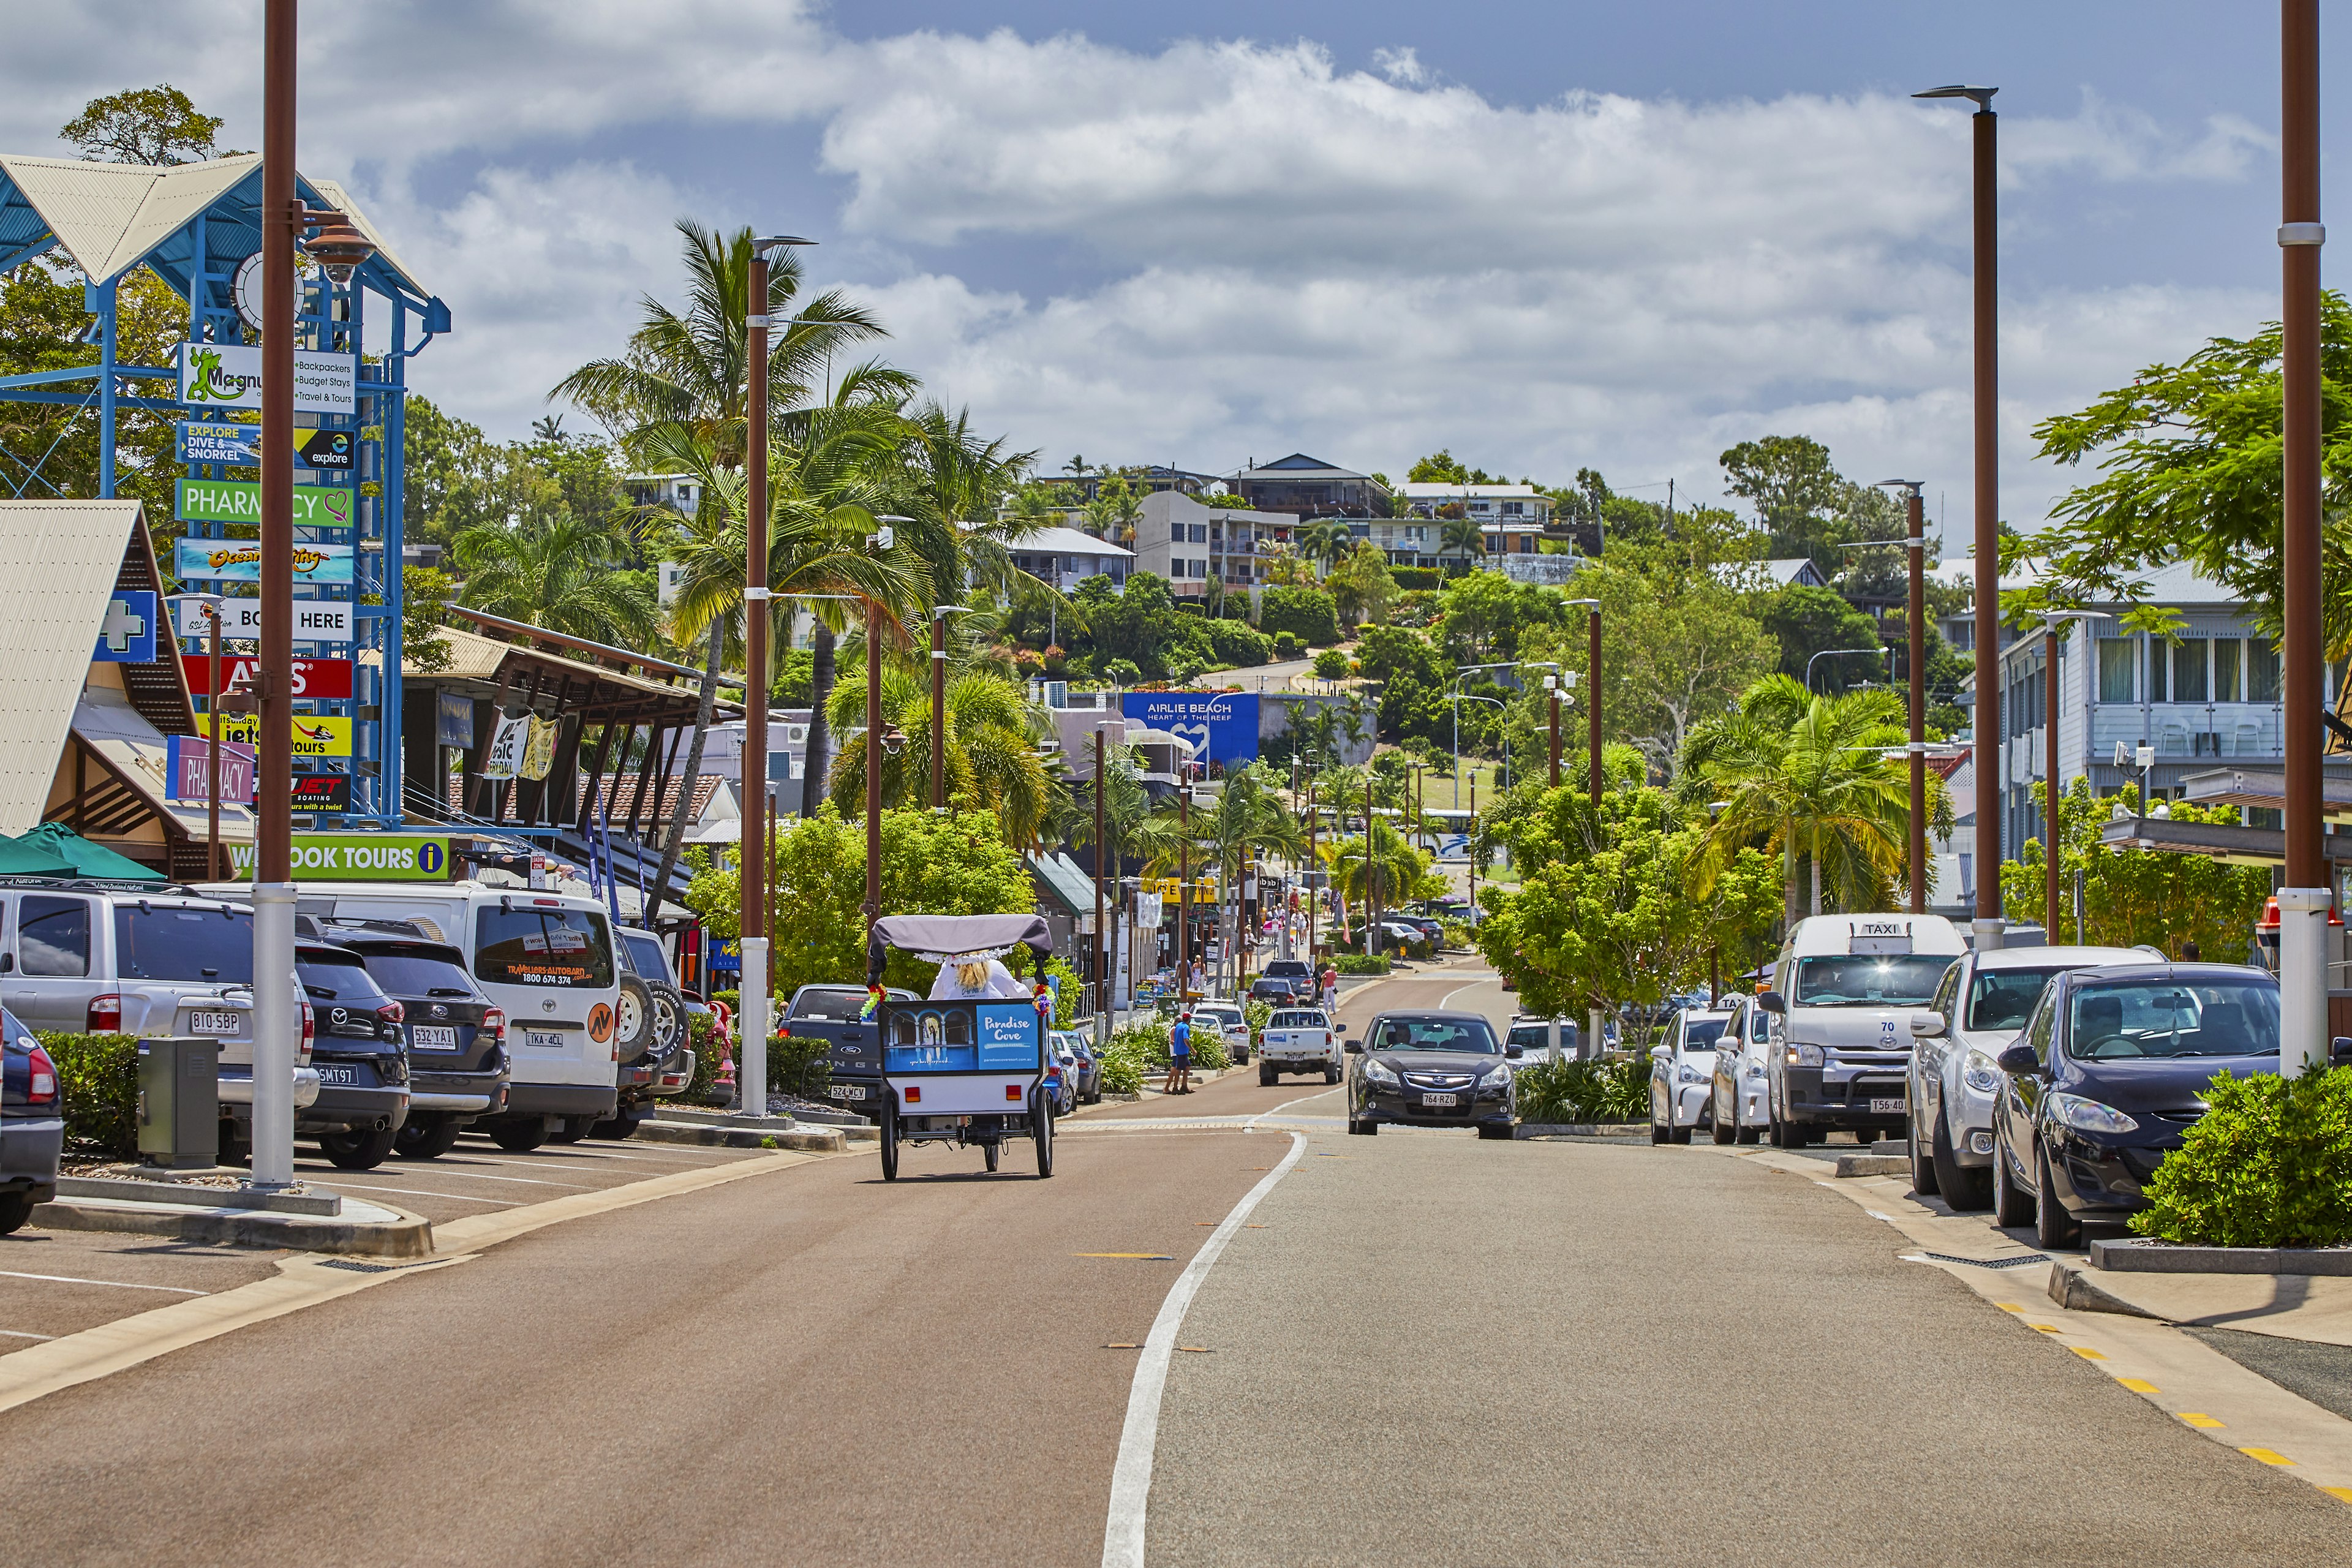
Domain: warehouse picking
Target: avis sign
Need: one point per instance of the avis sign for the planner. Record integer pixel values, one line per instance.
(314, 678)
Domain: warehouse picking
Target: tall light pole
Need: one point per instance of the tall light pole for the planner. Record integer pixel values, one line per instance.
(879, 542)
(2050, 766)
(1458, 674)
(1592, 689)
(1915, 616)
(1839, 653)
(2305, 899)
(758, 977)
(1986, 725)
(1183, 884)
(939, 614)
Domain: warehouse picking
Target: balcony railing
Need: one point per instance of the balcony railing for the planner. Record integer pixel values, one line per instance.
(2183, 732)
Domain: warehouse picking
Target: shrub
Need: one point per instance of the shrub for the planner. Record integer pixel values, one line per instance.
(1287, 644)
(800, 1064)
(1412, 577)
(1233, 643)
(1331, 665)
(1359, 963)
(2269, 1164)
(702, 1029)
(1311, 614)
(98, 1077)
(1582, 1092)
(1122, 1070)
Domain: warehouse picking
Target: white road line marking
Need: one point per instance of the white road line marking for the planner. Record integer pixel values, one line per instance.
(1130, 1478)
(117, 1284)
(1325, 1093)
(421, 1192)
(526, 1181)
(21, 1334)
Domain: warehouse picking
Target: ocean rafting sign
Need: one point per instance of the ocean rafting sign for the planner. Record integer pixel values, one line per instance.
(228, 375)
(239, 501)
(239, 561)
(359, 857)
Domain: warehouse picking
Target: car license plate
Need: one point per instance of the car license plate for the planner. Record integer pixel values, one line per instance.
(433, 1036)
(217, 1023)
(1886, 1107)
(1438, 1099)
(546, 1039)
(338, 1075)
(849, 1091)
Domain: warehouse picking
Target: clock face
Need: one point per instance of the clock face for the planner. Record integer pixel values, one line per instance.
(247, 288)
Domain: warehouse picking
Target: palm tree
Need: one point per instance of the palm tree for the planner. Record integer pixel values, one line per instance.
(992, 753)
(1378, 868)
(1326, 543)
(559, 571)
(1461, 536)
(949, 485)
(1821, 786)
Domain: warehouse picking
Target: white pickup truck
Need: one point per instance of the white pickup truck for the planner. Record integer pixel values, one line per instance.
(1299, 1039)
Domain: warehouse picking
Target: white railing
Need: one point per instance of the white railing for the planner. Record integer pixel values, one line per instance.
(2183, 732)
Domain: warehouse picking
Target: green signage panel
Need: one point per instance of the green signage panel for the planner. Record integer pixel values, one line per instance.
(359, 857)
(239, 501)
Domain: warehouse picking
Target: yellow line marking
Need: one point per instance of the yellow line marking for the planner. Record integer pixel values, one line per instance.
(1146, 1256)
(2009, 1305)
(2087, 1354)
(2341, 1494)
(2266, 1456)
(2199, 1420)
(2047, 1327)
(2139, 1385)
(1122, 1347)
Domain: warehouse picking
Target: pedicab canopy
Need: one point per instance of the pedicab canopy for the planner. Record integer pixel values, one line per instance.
(939, 938)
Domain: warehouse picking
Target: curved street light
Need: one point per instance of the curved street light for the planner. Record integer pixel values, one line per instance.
(1837, 652)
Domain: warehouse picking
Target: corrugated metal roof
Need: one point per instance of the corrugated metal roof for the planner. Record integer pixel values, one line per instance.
(64, 555)
(109, 215)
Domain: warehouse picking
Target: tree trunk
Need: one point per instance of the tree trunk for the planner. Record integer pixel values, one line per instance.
(1788, 885)
(1816, 863)
(676, 836)
(813, 765)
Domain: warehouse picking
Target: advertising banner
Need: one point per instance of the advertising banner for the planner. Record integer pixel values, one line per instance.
(321, 791)
(314, 678)
(239, 561)
(539, 747)
(962, 1037)
(239, 501)
(312, 737)
(504, 758)
(189, 763)
(359, 857)
(315, 620)
(228, 375)
(239, 445)
(126, 633)
(453, 718)
(1223, 724)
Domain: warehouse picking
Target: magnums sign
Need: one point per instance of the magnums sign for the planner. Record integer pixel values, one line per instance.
(228, 375)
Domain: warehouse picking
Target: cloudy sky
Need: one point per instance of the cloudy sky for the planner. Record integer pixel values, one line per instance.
(1544, 235)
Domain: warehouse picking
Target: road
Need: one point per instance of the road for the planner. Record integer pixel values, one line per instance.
(1418, 1349)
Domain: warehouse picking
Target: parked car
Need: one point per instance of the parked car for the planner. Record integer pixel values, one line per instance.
(91, 957)
(1739, 1090)
(1281, 990)
(1433, 929)
(853, 1043)
(456, 1035)
(1232, 1025)
(665, 1065)
(1984, 999)
(2108, 1075)
(1395, 935)
(1682, 1074)
(1303, 1040)
(546, 959)
(361, 1055)
(1089, 1066)
(1845, 986)
(32, 1123)
(1065, 1058)
(1431, 1070)
(1532, 1033)
(1295, 970)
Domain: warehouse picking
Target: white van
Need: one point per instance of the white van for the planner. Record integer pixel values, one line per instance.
(1845, 986)
(546, 958)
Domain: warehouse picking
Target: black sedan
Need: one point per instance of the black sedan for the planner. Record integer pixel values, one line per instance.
(2108, 1075)
(1431, 1070)
(32, 1124)
(457, 1037)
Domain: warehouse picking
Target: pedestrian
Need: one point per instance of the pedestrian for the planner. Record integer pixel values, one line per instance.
(1180, 1056)
(2188, 954)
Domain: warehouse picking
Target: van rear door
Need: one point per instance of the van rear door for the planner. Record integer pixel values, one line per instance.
(552, 967)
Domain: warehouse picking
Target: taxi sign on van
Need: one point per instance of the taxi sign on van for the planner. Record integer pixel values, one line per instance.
(359, 857)
(1879, 939)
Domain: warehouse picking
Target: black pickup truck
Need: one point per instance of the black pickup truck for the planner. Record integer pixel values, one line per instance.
(829, 1013)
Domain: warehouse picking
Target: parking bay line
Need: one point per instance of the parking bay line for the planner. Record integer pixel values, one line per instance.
(115, 1284)
(21, 1334)
(421, 1192)
(525, 1181)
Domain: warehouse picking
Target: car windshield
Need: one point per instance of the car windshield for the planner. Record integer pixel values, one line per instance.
(2004, 998)
(1285, 969)
(1220, 1016)
(180, 943)
(1295, 1020)
(535, 945)
(2170, 1018)
(1864, 980)
(419, 972)
(1470, 1034)
(1700, 1034)
(337, 979)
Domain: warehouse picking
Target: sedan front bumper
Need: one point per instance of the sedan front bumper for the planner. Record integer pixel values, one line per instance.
(1407, 1108)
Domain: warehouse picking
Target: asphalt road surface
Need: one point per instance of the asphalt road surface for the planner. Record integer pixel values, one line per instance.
(1422, 1349)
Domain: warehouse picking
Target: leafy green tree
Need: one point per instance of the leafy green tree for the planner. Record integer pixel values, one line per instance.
(1485, 615)
(992, 764)
(2132, 896)
(2189, 470)
(1325, 542)
(1311, 614)
(156, 125)
(1795, 490)
(1360, 586)
(1461, 536)
(1806, 621)
(559, 572)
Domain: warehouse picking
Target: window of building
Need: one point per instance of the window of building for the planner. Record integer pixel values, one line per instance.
(2229, 653)
(2158, 660)
(2189, 672)
(2261, 671)
(1200, 533)
(2116, 669)
(1510, 509)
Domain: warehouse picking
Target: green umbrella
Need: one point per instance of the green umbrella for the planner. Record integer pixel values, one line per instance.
(24, 857)
(80, 856)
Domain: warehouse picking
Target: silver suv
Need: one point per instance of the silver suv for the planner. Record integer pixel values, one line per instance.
(105, 957)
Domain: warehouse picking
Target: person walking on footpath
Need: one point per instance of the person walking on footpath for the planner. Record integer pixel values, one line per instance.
(1180, 1056)
(1331, 989)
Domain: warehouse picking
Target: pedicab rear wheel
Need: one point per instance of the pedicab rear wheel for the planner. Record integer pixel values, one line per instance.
(889, 1144)
(1041, 1129)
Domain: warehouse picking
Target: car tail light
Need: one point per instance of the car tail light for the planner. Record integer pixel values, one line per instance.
(783, 1031)
(309, 1023)
(44, 1084)
(914, 1093)
(105, 1015)
(495, 1021)
(392, 1011)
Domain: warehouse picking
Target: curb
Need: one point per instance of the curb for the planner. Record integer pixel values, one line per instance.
(408, 1236)
(2141, 1255)
(2071, 1288)
(829, 1141)
(326, 1205)
(1873, 1165)
(1581, 1130)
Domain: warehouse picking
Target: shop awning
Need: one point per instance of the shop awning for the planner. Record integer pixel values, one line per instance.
(2220, 841)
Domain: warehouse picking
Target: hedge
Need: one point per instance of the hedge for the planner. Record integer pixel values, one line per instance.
(1311, 614)
(1359, 963)
(1411, 578)
(98, 1077)
(1584, 1091)
(2266, 1165)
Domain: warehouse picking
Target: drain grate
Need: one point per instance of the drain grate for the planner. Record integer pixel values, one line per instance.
(1986, 1262)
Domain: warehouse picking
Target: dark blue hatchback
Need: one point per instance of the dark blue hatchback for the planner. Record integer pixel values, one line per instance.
(2107, 1078)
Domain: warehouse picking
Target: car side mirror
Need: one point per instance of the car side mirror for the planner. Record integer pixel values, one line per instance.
(7, 963)
(1515, 1052)
(1354, 1047)
(1659, 1053)
(2019, 1060)
(1926, 1025)
(1773, 1002)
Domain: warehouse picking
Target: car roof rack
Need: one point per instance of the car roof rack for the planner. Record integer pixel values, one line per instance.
(107, 885)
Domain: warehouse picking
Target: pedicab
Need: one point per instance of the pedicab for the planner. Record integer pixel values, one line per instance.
(966, 1071)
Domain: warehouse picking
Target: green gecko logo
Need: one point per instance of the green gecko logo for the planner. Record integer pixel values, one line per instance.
(208, 383)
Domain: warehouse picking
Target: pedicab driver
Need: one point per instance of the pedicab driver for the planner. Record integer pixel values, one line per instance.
(975, 977)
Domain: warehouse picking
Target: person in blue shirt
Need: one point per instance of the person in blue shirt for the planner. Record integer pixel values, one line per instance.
(1180, 1056)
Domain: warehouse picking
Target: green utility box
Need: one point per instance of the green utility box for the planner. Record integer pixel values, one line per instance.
(179, 1101)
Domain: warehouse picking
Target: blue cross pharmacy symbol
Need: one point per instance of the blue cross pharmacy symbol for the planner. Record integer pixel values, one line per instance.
(127, 635)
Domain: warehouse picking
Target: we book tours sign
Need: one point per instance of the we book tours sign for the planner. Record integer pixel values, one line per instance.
(359, 857)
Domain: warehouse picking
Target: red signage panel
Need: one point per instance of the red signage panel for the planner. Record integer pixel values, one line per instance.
(313, 678)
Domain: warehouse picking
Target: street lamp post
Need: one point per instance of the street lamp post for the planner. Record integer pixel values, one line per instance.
(1592, 693)
(1839, 652)
(880, 542)
(1916, 543)
(1986, 724)
(2304, 900)
(2050, 766)
(939, 614)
